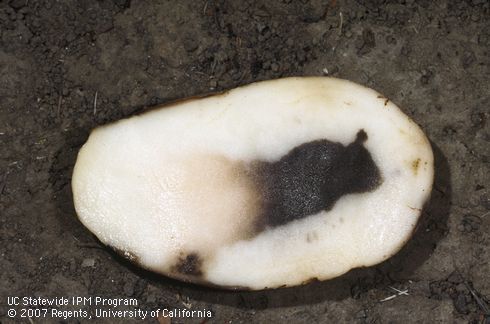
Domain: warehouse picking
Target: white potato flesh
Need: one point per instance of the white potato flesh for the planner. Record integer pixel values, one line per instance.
(172, 189)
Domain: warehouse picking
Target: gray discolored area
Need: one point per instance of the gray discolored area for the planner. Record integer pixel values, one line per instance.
(189, 265)
(429, 57)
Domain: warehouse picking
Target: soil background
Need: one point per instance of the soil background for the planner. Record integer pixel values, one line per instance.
(67, 66)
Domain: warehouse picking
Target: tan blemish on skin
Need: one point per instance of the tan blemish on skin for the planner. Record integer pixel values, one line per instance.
(348, 103)
(415, 166)
(413, 208)
(309, 281)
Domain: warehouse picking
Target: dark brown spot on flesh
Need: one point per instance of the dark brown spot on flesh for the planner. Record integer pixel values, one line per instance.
(311, 178)
(415, 166)
(385, 99)
(190, 264)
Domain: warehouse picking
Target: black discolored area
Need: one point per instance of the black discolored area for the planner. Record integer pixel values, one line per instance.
(312, 177)
(191, 264)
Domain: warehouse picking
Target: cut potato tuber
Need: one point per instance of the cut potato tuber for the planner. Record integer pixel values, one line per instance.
(268, 185)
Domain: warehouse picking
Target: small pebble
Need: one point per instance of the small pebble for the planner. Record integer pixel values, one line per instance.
(485, 201)
(361, 314)
(460, 304)
(190, 44)
(129, 288)
(88, 263)
(73, 265)
(455, 278)
(17, 4)
(151, 298)
(461, 288)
